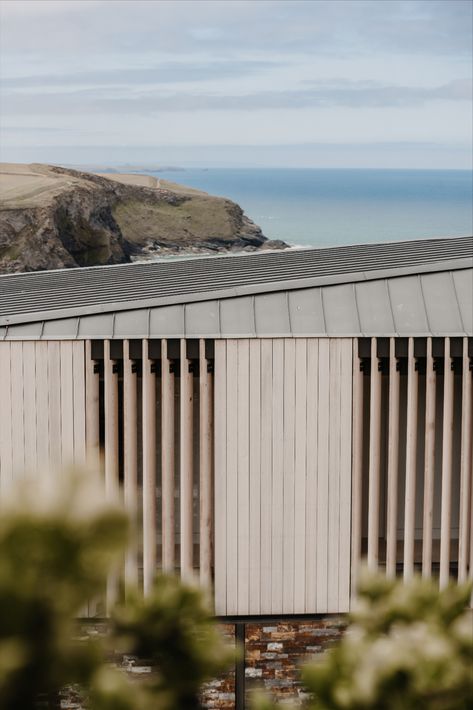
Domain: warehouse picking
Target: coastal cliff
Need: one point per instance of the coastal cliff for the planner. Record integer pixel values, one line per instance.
(52, 218)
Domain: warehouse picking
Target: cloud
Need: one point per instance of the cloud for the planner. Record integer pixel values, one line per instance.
(321, 94)
(345, 26)
(35, 129)
(263, 71)
(162, 73)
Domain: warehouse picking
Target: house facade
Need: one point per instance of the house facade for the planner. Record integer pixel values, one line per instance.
(269, 419)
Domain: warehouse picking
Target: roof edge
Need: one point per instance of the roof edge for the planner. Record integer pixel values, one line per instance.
(234, 292)
(232, 254)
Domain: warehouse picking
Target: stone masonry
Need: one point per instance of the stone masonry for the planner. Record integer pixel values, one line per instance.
(274, 652)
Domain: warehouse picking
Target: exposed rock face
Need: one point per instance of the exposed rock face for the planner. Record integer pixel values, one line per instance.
(52, 218)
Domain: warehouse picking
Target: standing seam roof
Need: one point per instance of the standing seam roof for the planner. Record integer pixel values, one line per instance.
(24, 295)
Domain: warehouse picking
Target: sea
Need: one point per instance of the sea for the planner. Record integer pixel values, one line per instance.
(323, 207)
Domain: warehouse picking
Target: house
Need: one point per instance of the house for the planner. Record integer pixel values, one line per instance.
(270, 418)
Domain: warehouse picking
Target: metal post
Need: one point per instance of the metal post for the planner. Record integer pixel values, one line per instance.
(240, 666)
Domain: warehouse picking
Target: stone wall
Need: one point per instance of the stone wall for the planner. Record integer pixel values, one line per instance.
(220, 693)
(274, 652)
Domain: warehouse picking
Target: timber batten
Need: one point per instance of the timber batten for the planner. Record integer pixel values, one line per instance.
(422, 525)
(151, 450)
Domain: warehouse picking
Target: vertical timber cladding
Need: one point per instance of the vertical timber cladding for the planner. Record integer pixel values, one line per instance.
(42, 406)
(283, 430)
(412, 457)
(150, 408)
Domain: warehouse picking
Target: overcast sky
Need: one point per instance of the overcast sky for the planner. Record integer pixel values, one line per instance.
(355, 83)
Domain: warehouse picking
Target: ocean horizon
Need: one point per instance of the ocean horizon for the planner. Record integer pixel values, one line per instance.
(324, 207)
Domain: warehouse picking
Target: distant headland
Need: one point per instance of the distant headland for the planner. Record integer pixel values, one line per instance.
(53, 217)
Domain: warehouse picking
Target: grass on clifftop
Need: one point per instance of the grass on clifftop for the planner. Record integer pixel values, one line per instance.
(199, 217)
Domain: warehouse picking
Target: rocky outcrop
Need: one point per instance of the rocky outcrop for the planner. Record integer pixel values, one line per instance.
(52, 218)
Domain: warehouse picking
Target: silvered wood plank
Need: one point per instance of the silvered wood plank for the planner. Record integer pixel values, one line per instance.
(232, 476)
(311, 491)
(322, 475)
(466, 467)
(429, 462)
(289, 544)
(333, 501)
(243, 483)
(167, 458)
(29, 405)
(149, 469)
(17, 410)
(67, 403)
(278, 478)
(42, 404)
(346, 365)
(220, 495)
(300, 473)
(357, 466)
(78, 384)
(54, 379)
(130, 460)
(411, 459)
(6, 454)
(92, 420)
(186, 463)
(111, 452)
(266, 466)
(255, 476)
(393, 461)
(446, 495)
(205, 467)
(374, 458)
(111, 424)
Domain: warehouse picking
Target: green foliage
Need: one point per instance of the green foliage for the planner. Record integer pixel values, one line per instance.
(173, 628)
(58, 543)
(408, 646)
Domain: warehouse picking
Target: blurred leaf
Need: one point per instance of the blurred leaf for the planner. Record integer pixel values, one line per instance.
(57, 543)
(409, 646)
(174, 630)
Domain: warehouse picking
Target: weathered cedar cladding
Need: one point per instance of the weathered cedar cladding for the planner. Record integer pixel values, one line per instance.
(412, 460)
(326, 450)
(42, 406)
(282, 475)
(255, 451)
(161, 450)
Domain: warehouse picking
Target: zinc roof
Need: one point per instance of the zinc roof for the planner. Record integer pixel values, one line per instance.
(407, 288)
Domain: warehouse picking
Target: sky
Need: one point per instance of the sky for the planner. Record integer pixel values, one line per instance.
(260, 83)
